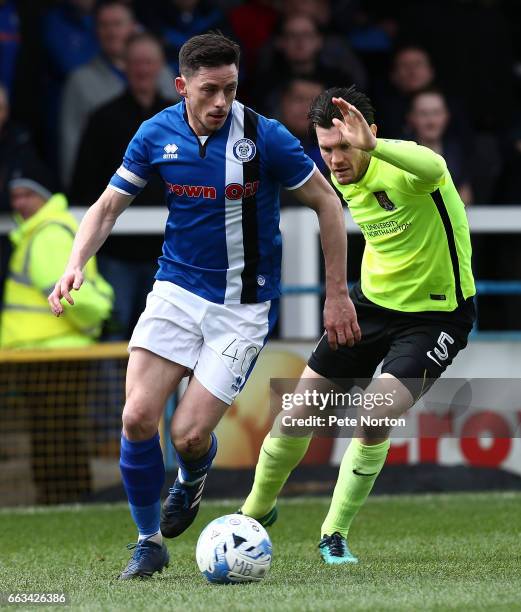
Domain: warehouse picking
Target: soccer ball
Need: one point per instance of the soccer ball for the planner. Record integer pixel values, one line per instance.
(232, 549)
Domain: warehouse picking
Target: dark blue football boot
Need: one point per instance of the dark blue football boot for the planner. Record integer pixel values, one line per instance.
(147, 558)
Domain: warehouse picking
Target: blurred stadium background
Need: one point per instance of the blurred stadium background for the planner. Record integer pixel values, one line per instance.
(60, 409)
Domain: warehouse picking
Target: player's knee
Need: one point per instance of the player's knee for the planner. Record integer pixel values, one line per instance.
(138, 420)
(389, 395)
(190, 444)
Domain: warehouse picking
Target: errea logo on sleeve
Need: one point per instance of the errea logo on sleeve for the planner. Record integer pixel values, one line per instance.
(170, 151)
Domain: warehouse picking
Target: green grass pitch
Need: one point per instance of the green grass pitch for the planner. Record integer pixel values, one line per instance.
(425, 552)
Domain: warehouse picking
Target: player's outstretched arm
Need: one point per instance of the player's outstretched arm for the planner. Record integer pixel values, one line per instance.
(94, 228)
(428, 167)
(339, 312)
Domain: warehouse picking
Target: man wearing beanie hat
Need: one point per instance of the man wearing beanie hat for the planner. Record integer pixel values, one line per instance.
(41, 244)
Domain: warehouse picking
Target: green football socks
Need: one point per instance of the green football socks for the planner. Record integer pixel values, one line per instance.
(277, 458)
(359, 469)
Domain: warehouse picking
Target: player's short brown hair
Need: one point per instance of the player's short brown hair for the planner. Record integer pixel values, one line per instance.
(209, 51)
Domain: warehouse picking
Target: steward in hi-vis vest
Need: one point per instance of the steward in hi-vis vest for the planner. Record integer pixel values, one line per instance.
(41, 245)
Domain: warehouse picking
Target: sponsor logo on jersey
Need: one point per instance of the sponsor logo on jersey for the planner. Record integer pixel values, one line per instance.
(373, 230)
(236, 191)
(193, 191)
(244, 150)
(170, 151)
(384, 201)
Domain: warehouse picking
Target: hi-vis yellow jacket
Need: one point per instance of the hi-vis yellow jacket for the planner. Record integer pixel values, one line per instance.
(42, 245)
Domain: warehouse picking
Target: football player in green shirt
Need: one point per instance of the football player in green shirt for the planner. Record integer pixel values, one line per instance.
(414, 302)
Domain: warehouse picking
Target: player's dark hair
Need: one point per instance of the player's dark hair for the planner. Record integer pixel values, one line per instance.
(209, 51)
(323, 111)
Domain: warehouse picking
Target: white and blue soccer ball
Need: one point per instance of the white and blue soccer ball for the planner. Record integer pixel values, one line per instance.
(233, 549)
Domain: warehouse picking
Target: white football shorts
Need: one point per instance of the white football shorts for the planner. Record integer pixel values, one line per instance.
(219, 342)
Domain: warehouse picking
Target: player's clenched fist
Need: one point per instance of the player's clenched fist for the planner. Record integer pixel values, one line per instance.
(72, 279)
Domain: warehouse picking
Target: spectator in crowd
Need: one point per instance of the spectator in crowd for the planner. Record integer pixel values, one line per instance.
(318, 10)
(253, 24)
(130, 270)
(102, 79)
(69, 41)
(41, 243)
(299, 50)
(411, 71)
(295, 102)
(69, 36)
(336, 53)
(95, 83)
(472, 45)
(121, 117)
(371, 29)
(15, 146)
(9, 42)
(175, 21)
(428, 120)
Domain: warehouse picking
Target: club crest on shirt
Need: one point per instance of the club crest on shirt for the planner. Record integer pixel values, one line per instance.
(384, 201)
(244, 150)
